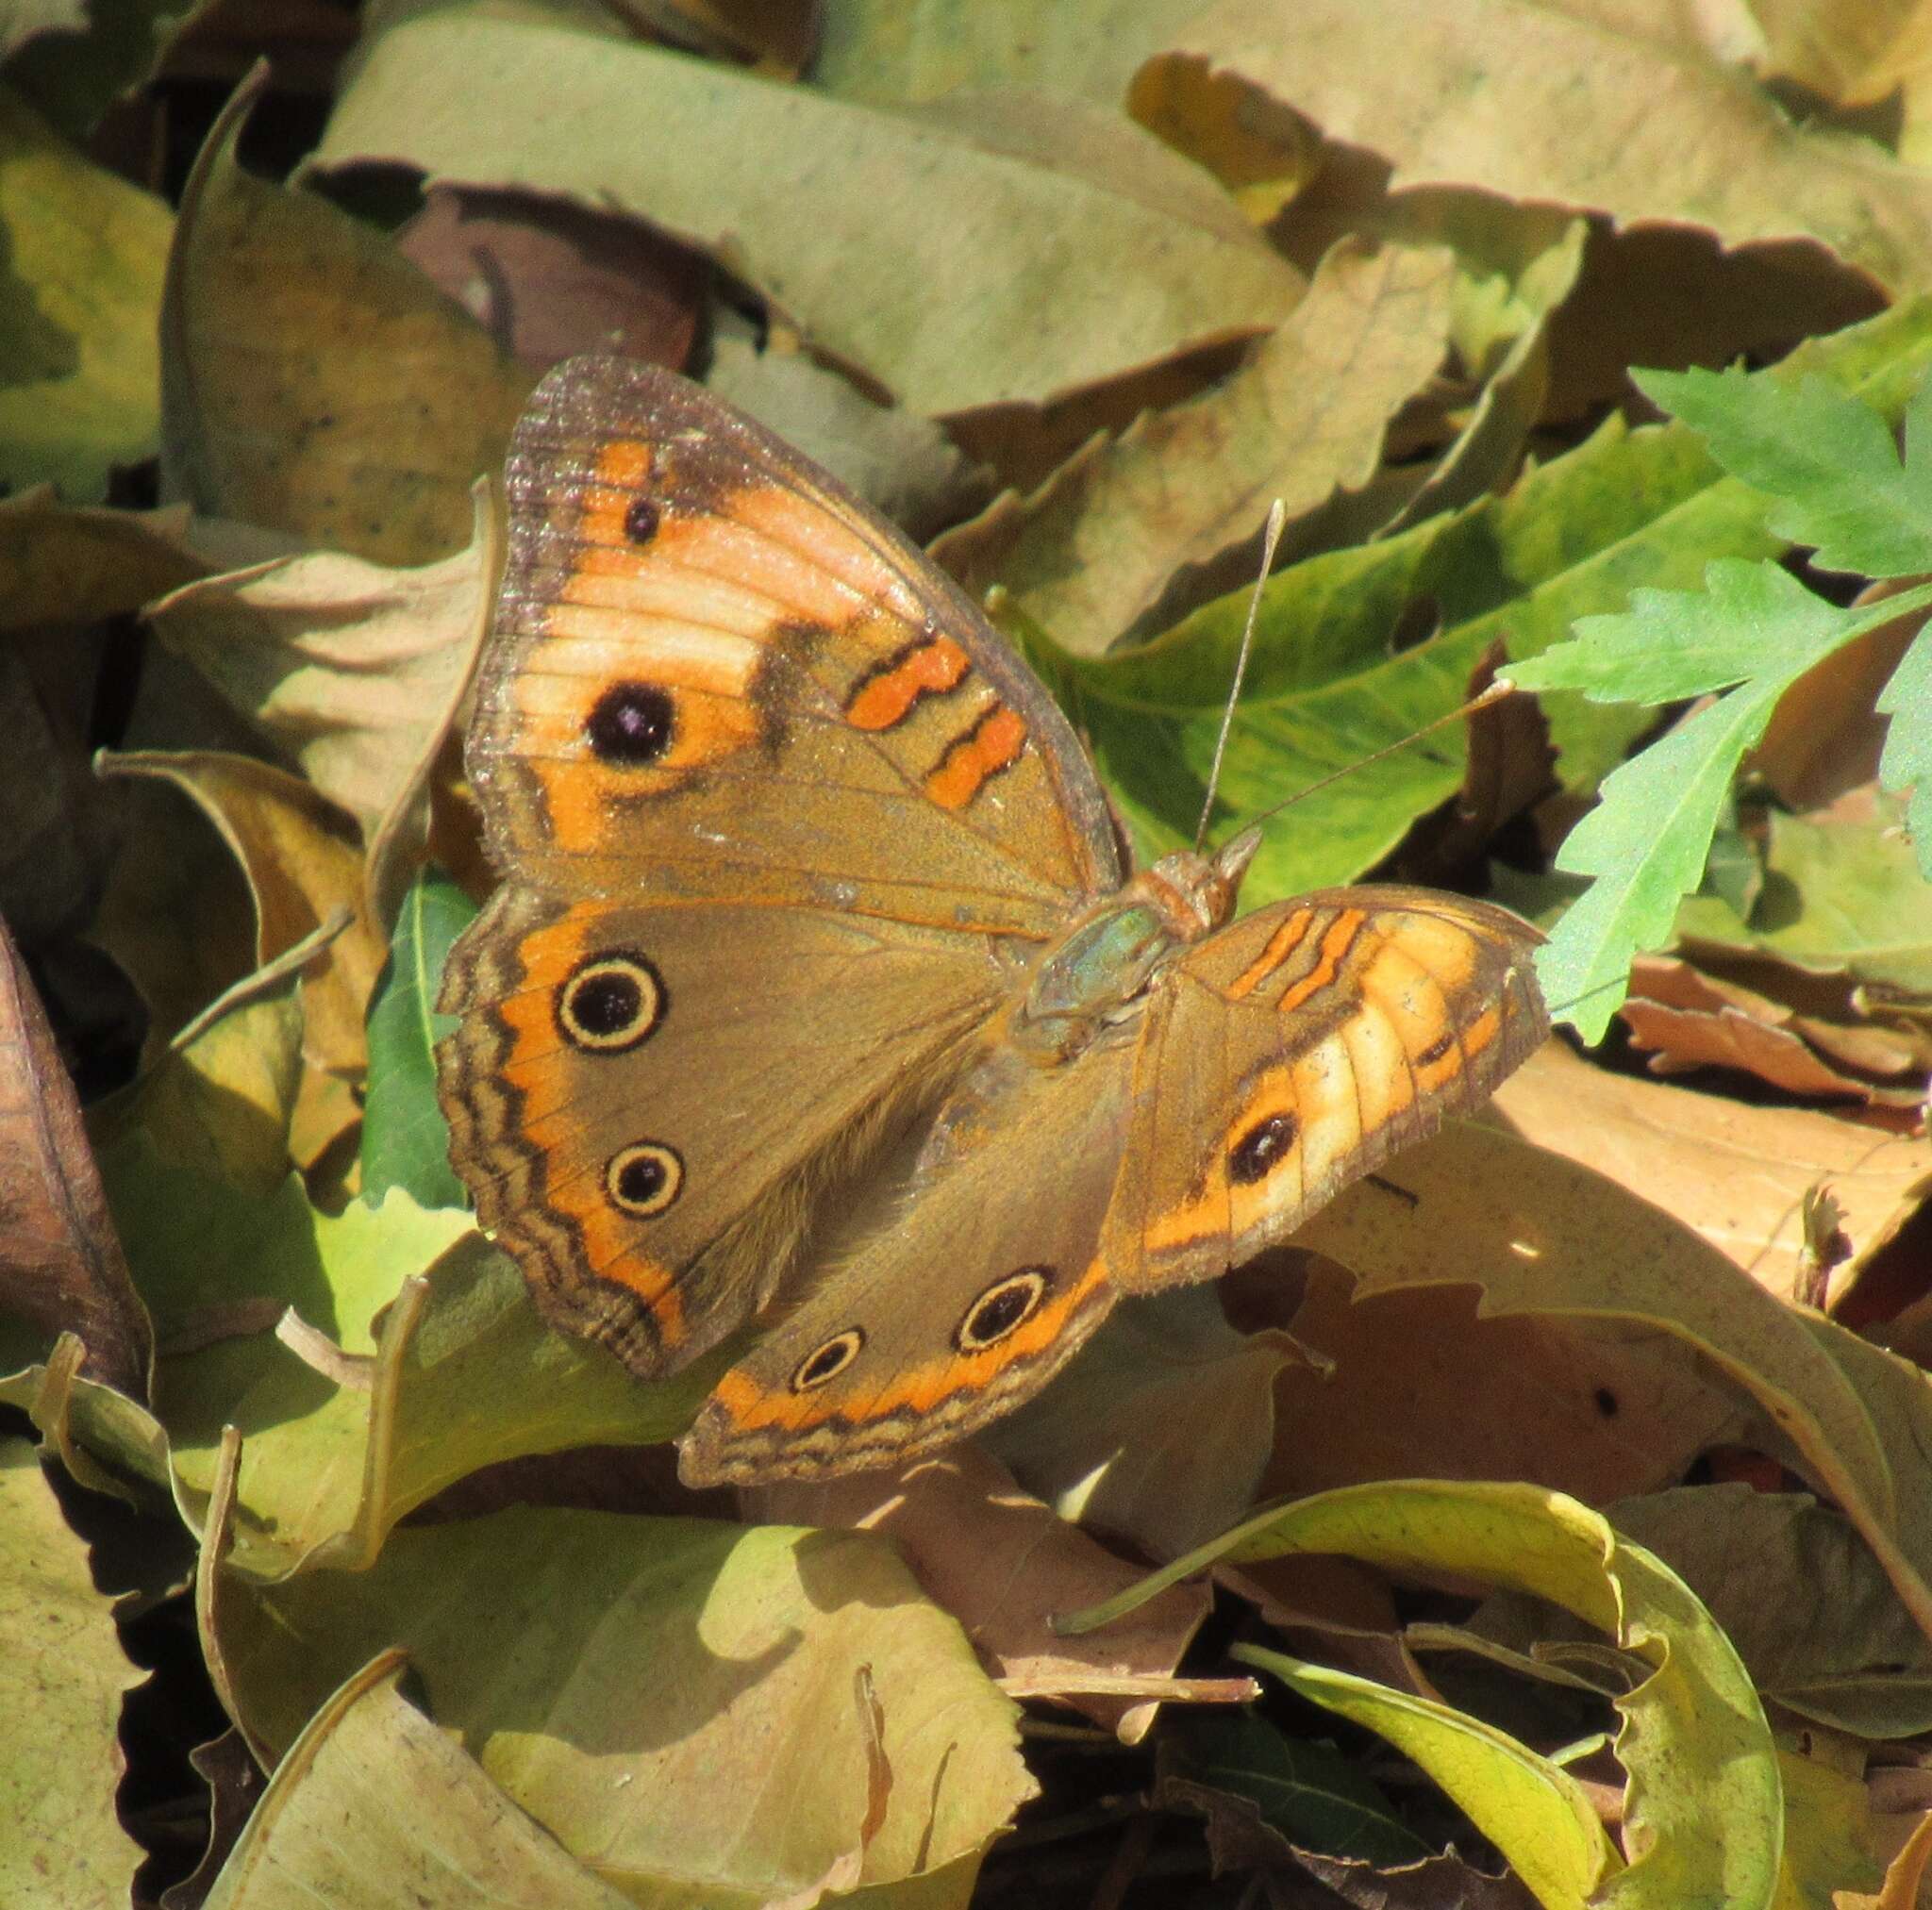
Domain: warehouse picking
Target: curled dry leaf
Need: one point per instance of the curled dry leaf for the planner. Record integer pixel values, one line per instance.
(354, 670)
(1089, 554)
(60, 1262)
(298, 853)
(1688, 1019)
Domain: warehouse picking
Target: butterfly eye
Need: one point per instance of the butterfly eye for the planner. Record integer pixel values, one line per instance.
(644, 1178)
(610, 1003)
(828, 1361)
(1253, 1157)
(1001, 1308)
(632, 723)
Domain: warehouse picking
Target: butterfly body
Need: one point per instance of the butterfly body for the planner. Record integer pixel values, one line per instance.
(820, 992)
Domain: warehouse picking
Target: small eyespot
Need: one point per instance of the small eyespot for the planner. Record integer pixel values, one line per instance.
(1253, 1157)
(644, 1179)
(610, 1003)
(640, 520)
(828, 1361)
(1002, 1309)
(1428, 1056)
(632, 724)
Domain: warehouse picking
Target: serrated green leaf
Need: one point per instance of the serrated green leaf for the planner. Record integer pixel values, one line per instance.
(1907, 760)
(404, 1138)
(1824, 455)
(1648, 837)
(1749, 620)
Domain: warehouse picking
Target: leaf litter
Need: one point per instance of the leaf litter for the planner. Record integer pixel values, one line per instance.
(1649, 1351)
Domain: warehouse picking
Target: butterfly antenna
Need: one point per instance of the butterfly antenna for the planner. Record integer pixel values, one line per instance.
(1495, 693)
(1277, 519)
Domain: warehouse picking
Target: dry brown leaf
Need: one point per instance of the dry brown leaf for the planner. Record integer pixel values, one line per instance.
(1850, 51)
(60, 1261)
(1737, 1174)
(67, 564)
(312, 379)
(1587, 1408)
(1694, 1019)
(299, 854)
(1824, 736)
(1156, 1437)
(1675, 297)
(1000, 1562)
(547, 279)
(1612, 106)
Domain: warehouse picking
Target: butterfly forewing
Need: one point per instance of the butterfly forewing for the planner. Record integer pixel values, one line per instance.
(717, 673)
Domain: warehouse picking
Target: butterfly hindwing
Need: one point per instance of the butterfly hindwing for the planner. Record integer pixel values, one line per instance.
(1294, 1051)
(649, 1101)
(960, 1285)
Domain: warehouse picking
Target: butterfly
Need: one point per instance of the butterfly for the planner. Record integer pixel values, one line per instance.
(820, 992)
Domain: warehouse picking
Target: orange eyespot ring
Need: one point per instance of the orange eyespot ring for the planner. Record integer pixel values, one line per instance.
(644, 1179)
(610, 1003)
(1003, 1308)
(826, 1362)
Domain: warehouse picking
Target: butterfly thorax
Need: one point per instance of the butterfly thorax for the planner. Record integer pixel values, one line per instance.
(1098, 975)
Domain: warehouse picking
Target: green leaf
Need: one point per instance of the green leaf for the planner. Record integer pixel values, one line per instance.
(416, 1357)
(1827, 457)
(685, 1705)
(404, 1138)
(1839, 898)
(1907, 759)
(371, 1788)
(1306, 1793)
(1626, 510)
(1704, 1812)
(1531, 1808)
(62, 1674)
(83, 254)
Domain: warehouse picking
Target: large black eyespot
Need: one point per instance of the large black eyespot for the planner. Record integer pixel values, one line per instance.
(644, 1178)
(1253, 1157)
(610, 1003)
(632, 723)
(827, 1361)
(1005, 1305)
(640, 520)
